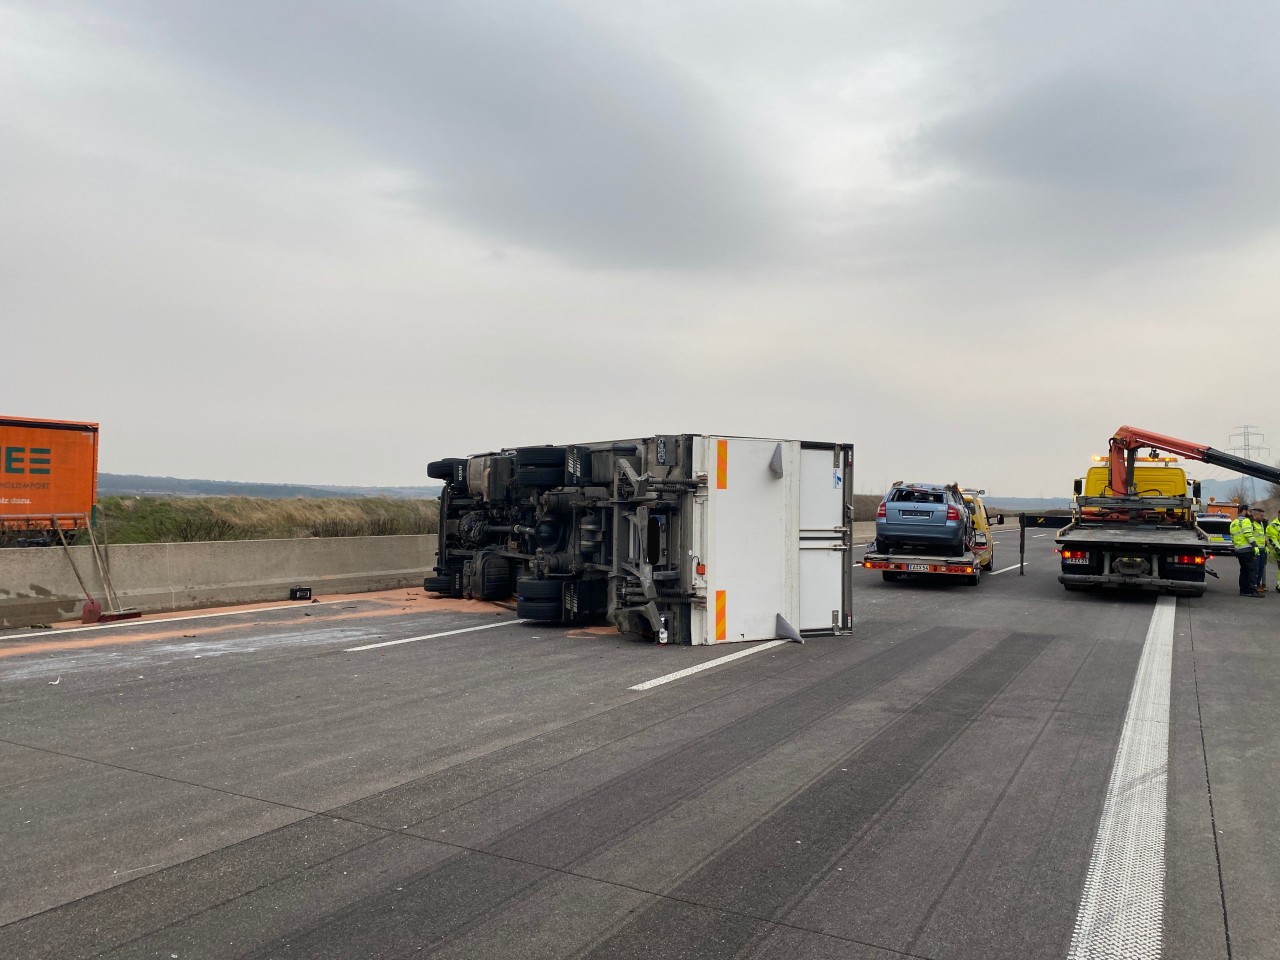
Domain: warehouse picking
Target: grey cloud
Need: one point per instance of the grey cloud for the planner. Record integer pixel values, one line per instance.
(1136, 136)
(1084, 134)
(518, 120)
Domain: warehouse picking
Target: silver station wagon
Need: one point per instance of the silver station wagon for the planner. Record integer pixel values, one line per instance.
(926, 517)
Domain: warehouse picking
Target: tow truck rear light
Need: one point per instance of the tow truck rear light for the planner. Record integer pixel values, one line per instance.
(881, 511)
(1075, 554)
(1190, 559)
(953, 513)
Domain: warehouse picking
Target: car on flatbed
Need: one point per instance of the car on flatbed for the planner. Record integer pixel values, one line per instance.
(930, 518)
(939, 556)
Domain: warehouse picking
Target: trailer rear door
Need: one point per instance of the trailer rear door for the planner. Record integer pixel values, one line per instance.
(750, 563)
(824, 536)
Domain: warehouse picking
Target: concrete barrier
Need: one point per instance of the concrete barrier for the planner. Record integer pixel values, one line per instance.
(38, 585)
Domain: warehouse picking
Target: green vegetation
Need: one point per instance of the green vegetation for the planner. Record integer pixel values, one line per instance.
(184, 519)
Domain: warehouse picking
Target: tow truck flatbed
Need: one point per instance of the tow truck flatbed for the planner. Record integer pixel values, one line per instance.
(1165, 559)
(895, 565)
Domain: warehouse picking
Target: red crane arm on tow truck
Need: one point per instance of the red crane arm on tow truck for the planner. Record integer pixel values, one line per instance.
(1127, 440)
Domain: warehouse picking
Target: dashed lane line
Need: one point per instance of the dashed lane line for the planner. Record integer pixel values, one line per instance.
(432, 636)
(689, 671)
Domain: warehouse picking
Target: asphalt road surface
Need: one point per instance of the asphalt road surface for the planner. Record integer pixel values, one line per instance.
(1006, 770)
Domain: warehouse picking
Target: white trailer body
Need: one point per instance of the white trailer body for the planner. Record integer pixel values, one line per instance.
(773, 535)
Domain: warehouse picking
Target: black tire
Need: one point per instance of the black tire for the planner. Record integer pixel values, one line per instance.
(443, 469)
(540, 476)
(971, 581)
(539, 609)
(438, 585)
(540, 457)
(889, 576)
(529, 588)
(1076, 587)
(495, 579)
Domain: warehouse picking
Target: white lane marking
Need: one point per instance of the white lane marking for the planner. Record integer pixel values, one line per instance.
(1121, 911)
(432, 636)
(650, 684)
(59, 631)
(1005, 570)
(1035, 535)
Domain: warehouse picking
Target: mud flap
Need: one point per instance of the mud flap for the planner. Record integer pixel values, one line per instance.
(786, 631)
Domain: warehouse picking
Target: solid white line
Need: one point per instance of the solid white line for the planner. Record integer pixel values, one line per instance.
(432, 636)
(1121, 911)
(1005, 570)
(650, 684)
(1035, 535)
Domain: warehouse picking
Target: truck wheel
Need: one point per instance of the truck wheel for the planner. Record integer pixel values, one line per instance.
(495, 579)
(530, 588)
(1076, 587)
(443, 469)
(890, 576)
(442, 585)
(540, 476)
(544, 610)
(971, 581)
(540, 457)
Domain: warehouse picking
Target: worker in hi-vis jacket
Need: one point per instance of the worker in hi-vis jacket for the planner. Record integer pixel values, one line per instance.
(1273, 548)
(1245, 546)
(1260, 538)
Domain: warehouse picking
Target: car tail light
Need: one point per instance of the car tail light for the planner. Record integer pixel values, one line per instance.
(1190, 559)
(882, 510)
(953, 513)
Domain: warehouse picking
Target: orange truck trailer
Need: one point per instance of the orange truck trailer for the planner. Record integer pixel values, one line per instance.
(48, 473)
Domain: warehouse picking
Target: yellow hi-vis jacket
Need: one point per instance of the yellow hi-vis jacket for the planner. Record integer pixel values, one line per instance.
(1244, 533)
(1273, 537)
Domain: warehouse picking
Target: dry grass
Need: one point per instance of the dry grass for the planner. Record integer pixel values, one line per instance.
(184, 519)
(864, 506)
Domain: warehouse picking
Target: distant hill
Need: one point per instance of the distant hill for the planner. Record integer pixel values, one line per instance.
(1025, 504)
(132, 485)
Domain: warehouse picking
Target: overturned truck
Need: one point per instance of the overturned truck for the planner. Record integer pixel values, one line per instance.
(686, 538)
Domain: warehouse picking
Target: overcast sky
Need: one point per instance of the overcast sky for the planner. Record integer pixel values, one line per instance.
(326, 242)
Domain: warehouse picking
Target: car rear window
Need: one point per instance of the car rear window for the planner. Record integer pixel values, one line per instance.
(910, 495)
(1214, 524)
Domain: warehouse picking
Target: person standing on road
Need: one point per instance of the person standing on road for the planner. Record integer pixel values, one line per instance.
(1260, 541)
(1246, 551)
(1273, 547)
